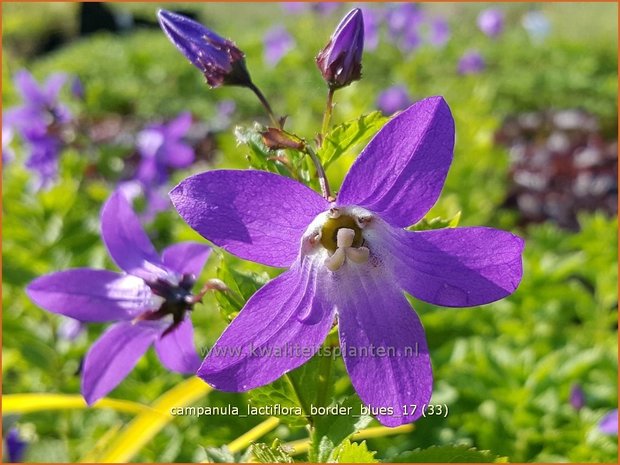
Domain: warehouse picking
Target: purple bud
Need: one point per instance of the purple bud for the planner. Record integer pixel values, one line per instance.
(15, 446)
(471, 62)
(577, 397)
(340, 62)
(609, 423)
(219, 59)
(491, 22)
(393, 99)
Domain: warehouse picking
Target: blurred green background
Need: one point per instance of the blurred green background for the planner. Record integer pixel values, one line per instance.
(505, 370)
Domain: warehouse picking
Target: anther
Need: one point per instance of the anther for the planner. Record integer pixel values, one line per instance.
(344, 237)
(334, 212)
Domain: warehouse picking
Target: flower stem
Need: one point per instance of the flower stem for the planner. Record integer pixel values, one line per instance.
(247, 438)
(320, 172)
(303, 445)
(327, 115)
(265, 103)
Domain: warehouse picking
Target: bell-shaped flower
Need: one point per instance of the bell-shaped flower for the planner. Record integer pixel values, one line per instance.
(351, 259)
(149, 301)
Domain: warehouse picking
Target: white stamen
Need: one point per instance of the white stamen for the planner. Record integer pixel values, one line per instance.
(334, 262)
(344, 238)
(359, 255)
(334, 212)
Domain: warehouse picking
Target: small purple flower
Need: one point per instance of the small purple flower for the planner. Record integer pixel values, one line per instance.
(161, 149)
(219, 59)
(225, 111)
(77, 88)
(403, 17)
(340, 62)
(439, 32)
(609, 423)
(471, 62)
(372, 20)
(150, 301)
(294, 7)
(278, 42)
(393, 99)
(70, 329)
(577, 397)
(325, 8)
(39, 121)
(15, 446)
(537, 25)
(351, 259)
(491, 22)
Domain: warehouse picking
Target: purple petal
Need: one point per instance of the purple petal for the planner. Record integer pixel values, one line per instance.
(114, 355)
(186, 257)
(255, 215)
(29, 88)
(127, 243)
(179, 155)
(179, 126)
(15, 446)
(400, 173)
(52, 86)
(271, 336)
(491, 22)
(459, 267)
(176, 350)
(91, 295)
(609, 423)
(397, 372)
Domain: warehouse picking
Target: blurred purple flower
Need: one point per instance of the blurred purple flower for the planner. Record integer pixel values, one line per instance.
(15, 446)
(393, 99)
(372, 21)
(70, 329)
(149, 301)
(294, 7)
(7, 139)
(609, 423)
(537, 25)
(491, 22)
(350, 258)
(403, 17)
(439, 32)
(278, 42)
(225, 111)
(577, 397)
(161, 149)
(219, 59)
(325, 8)
(340, 62)
(39, 121)
(77, 88)
(471, 62)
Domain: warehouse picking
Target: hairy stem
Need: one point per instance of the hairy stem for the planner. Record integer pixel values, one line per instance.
(327, 115)
(320, 172)
(265, 103)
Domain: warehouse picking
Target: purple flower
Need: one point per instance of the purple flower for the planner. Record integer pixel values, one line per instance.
(471, 62)
(219, 59)
(39, 122)
(278, 42)
(351, 258)
(491, 22)
(149, 301)
(372, 20)
(609, 423)
(340, 62)
(15, 446)
(77, 88)
(294, 7)
(577, 397)
(70, 329)
(537, 25)
(161, 149)
(225, 111)
(393, 99)
(325, 8)
(439, 32)
(402, 18)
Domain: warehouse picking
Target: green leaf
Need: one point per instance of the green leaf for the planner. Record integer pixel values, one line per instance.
(270, 454)
(261, 157)
(281, 393)
(448, 454)
(437, 223)
(332, 430)
(351, 452)
(218, 455)
(350, 135)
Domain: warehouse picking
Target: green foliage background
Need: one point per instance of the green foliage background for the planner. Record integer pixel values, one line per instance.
(504, 370)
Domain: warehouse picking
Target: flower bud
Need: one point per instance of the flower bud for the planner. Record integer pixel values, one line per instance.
(340, 62)
(219, 59)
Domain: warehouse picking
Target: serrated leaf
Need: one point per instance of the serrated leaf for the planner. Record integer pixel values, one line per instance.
(351, 452)
(437, 223)
(447, 454)
(280, 393)
(350, 135)
(332, 430)
(270, 454)
(260, 157)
